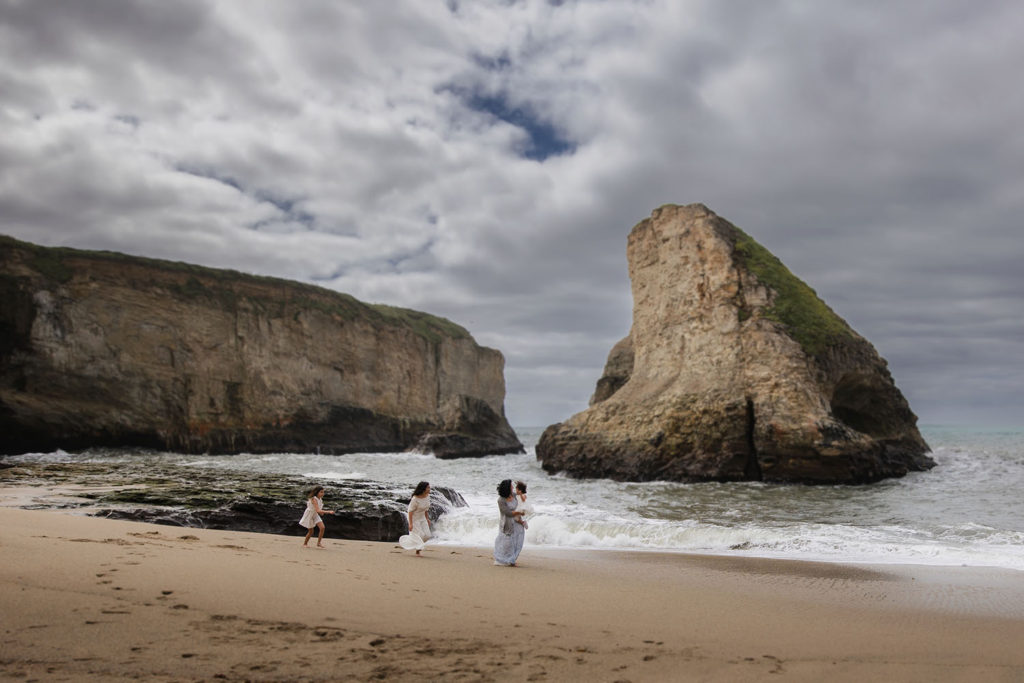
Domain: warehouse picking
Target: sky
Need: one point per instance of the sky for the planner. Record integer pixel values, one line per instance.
(485, 161)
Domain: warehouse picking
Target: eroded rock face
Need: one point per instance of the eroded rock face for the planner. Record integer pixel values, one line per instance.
(733, 370)
(102, 349)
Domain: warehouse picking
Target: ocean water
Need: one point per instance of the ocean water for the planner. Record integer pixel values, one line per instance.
(968, 510)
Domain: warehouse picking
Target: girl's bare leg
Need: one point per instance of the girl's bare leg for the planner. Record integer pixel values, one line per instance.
(308, 534)
(320, 540)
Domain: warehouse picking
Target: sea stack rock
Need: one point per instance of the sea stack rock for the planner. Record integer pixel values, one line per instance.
(733, 369)
(103, 349)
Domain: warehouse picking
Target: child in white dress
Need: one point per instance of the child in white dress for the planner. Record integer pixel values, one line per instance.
(311, 517)
(523, 506)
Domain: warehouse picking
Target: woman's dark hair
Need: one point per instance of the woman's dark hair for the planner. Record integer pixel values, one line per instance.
(521, 486)
(420, 488)
(505, 488)
(313, 491)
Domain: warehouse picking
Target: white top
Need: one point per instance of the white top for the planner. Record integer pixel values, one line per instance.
(524, 506)
(418, 508)
(311, 517)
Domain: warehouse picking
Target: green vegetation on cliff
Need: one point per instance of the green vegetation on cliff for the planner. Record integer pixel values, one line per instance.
(226, 287)
(807, 319)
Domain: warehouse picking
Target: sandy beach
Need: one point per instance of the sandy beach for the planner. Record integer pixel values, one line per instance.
(95, 599)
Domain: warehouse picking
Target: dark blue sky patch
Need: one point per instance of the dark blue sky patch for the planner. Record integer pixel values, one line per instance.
(543, 139)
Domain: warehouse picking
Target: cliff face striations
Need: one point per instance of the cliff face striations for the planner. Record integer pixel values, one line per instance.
(733, 370)
(102, 349)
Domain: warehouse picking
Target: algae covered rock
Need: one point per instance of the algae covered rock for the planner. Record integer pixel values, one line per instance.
(734, 369)
(147, 488)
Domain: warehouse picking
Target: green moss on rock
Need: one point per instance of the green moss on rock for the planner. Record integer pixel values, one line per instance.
(427, 326)
(806, 318)
(51, 266)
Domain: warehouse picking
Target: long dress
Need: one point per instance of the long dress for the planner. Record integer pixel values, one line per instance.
(311, 517)
(511, 534)
(415, 539)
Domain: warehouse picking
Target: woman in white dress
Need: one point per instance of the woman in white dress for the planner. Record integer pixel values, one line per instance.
(511, 532)
(419, 527)
(311, 517)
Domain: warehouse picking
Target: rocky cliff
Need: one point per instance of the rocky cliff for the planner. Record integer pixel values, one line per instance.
(102, 349)
(733, 369)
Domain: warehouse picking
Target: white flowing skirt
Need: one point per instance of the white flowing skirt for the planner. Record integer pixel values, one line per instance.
(507, 548)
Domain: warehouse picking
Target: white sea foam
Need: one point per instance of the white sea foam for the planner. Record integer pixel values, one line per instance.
(54, 456)
(335, 476)
(966, 511)
(978, 547)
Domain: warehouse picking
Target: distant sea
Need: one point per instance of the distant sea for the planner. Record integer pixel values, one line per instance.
(968, 510)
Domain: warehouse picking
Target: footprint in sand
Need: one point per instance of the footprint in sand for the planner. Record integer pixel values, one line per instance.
(778, 668)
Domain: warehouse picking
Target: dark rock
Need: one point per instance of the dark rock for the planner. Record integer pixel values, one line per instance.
(470, 428)
(617, 370)
(230, 500)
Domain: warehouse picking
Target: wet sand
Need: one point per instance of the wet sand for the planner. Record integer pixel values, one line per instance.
(93, 599)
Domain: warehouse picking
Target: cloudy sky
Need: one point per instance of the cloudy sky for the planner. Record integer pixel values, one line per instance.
(485, 160)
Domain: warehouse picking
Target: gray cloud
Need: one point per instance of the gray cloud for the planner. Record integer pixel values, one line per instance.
(485, 161)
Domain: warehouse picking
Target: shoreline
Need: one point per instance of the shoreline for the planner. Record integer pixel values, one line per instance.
(63, 497)
(98, 599)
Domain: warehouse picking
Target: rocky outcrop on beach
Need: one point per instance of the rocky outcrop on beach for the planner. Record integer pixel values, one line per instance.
(733, 369)
(360, 516)
(148, 490)
(103, 349)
